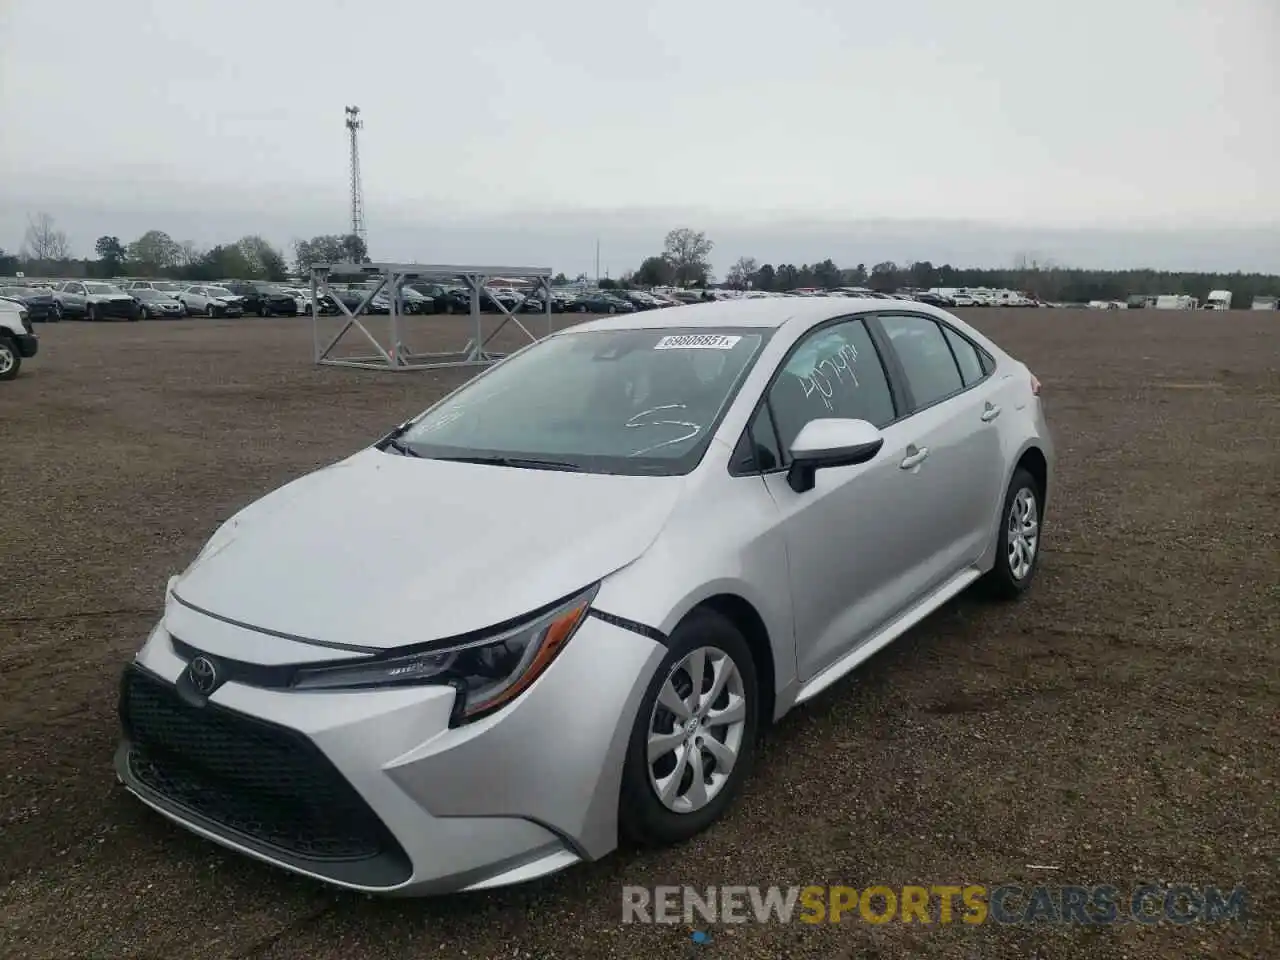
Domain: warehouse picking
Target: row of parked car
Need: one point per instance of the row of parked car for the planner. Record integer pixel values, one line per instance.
(55, 300)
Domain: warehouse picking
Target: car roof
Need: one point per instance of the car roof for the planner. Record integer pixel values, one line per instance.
(767, 313)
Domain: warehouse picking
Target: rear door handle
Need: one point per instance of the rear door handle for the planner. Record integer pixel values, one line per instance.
(913, 460)
(990, 413)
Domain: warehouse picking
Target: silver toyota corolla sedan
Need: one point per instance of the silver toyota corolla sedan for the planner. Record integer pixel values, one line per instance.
(558, 606)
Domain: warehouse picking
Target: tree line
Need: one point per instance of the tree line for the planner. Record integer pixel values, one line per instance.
(46, 252)
(685, 262)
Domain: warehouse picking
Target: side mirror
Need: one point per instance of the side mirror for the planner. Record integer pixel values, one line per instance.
(830, 442)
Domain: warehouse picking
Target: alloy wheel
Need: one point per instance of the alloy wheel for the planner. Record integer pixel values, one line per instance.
(696, 730)
(1024, 533)
(7, 358)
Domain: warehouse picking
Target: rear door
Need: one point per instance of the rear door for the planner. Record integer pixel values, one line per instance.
(953, 457)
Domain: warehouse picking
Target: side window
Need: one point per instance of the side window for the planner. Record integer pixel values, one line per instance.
(966, 356)
(757, 451)
(926, 359)
(835, 372)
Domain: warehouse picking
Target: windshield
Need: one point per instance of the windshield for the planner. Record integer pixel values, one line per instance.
(102, 288)
(613, 401)
(16, 291)
(218, 292)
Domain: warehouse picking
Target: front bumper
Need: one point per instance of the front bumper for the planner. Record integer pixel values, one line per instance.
(28, 344)
(273, 773)
(118, 309)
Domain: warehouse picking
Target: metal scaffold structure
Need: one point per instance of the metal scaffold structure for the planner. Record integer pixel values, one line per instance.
(390, 278)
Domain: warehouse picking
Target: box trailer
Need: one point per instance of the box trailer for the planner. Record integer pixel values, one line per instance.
(1266, 303)
(1176, 301)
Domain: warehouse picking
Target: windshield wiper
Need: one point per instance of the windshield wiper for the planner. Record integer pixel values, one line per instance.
(392, 440)
(528, 463)
(399, 446)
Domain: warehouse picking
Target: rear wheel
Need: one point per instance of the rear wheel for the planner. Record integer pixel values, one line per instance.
(694, 735)
(10, 360)
(1018, 540)
(90, 312)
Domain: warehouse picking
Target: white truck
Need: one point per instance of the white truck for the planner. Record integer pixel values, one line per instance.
(1218, 300)
(17, 338)
(1175, 301)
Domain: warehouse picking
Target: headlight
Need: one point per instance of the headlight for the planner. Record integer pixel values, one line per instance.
(487, 673)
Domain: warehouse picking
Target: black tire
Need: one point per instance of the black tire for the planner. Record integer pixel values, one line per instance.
(142, 314)
(1002, 582)
(264, 310)
(210, 310)
(57, 313)
(642, 817)
(90, 314)
(613, 309)
(10, 359)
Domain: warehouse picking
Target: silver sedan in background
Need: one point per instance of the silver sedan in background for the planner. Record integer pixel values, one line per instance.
(593, 574)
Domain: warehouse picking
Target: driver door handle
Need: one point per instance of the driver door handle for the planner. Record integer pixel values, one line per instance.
(990, 413)
(914, 457)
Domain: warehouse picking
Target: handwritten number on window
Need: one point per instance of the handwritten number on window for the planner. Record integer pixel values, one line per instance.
(841, 365)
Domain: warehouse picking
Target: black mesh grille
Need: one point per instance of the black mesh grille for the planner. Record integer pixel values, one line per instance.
(265, 782)
(117, 308)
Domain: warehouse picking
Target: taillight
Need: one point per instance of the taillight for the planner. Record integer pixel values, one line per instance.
(1035, 386)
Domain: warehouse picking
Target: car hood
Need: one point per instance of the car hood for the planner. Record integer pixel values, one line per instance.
(383, 550)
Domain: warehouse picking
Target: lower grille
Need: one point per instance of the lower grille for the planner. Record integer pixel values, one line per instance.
(256, 779)
(118, 308)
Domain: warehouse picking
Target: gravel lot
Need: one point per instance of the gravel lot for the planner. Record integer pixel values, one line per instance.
(1121, 723)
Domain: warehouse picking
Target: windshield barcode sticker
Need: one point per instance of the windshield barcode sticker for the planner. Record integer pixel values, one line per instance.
(697, 341)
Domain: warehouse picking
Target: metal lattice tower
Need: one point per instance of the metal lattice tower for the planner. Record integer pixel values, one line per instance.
(354, 124)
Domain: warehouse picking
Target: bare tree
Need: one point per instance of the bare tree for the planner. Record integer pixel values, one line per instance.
(44, 241)
(742, 273)
(689, 252)
(189, 254)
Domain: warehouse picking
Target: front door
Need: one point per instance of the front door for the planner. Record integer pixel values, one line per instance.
(848, 542)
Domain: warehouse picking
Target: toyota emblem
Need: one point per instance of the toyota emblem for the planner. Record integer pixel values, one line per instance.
(203, 674)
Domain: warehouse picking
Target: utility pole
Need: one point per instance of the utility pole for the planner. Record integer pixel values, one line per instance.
(354, 124)
(597, 261)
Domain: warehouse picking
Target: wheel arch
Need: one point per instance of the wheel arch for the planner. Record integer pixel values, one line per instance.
(1033, 460)
(747, 619)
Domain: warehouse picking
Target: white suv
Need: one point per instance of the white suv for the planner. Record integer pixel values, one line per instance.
(17, 338)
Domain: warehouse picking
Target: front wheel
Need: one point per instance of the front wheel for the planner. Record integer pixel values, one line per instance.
(1018, 540)
(90, 313)
(693, 739)
(10, 359)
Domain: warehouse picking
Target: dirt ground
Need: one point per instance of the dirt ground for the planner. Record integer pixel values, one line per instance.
(1120, 724)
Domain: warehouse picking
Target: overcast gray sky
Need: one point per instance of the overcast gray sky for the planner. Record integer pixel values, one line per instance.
(1093, 132)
